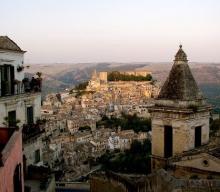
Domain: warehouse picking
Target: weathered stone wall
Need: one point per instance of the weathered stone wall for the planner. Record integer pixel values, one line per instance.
(19, 103)
(101, 184)
(188, 172)
(157, 182)
(120, 183)
(30, 147)
(183, 131)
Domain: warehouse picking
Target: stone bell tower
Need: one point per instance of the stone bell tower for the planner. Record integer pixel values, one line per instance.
(180, 117)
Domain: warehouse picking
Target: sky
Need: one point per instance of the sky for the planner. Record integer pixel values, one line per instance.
(75, 31)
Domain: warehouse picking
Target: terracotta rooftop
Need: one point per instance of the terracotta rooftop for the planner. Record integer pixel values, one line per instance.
(180, 84)
(7, 44)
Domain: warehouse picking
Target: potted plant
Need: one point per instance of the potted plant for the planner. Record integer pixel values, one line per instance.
(20, 68)
(39, 80)
(7, 122)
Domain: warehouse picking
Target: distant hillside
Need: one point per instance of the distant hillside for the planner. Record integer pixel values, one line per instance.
(57, 77)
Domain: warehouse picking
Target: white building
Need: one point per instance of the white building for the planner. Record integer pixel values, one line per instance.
(20, 98)
(33, 151)
(20, 102)
(114, 142)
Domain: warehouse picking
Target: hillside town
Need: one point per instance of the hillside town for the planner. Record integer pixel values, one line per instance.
(64, 139)
(71, 122)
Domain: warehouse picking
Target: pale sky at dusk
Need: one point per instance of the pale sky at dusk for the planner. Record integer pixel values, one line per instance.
(112, 30)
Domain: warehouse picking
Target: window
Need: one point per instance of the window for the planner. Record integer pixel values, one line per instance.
(37, 156)
(30, 115)
(12, 118)
(168, 141)
(198, 136)
(7, 80)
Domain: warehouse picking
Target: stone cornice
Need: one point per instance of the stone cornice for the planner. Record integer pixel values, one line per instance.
(8, 100)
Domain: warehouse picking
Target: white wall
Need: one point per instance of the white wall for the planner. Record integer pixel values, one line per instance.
(30, 148)
(13, 58)
(19, 103)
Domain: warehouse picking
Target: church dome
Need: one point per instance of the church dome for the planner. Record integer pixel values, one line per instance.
(180, 84)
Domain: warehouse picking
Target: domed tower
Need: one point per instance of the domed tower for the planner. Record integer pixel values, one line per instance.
(180, 117)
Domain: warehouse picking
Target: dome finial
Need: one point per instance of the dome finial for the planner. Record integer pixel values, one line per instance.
(180, 55)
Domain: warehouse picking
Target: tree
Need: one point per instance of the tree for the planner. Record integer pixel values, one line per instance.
(146, 146)
(126, 122)
(39, 74)
(136, 147)
(117, 76)
(135, 160)
(82, 86)
(215, 125)
(149, 77)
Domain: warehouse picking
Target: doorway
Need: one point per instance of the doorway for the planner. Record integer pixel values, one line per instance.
(7, 80)
(12, 118)
(30, 115)
(198, 136)
(168, 141)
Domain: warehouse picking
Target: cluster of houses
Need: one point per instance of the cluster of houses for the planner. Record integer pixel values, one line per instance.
(61, 136)
(70, 136)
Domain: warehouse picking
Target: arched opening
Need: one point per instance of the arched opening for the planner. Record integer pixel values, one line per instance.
(17, 179)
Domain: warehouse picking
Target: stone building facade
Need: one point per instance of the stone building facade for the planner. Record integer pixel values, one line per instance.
(180, 117)
(11, 158)
(159, 181)
(20, 98)
(20, 102)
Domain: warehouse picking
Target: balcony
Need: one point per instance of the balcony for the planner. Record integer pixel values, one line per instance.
(32, 130)
(33, 85)
(8, 88)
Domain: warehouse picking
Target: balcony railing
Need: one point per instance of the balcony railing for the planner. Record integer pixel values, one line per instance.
(32, 130)
(19, 87)
(33, 85)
